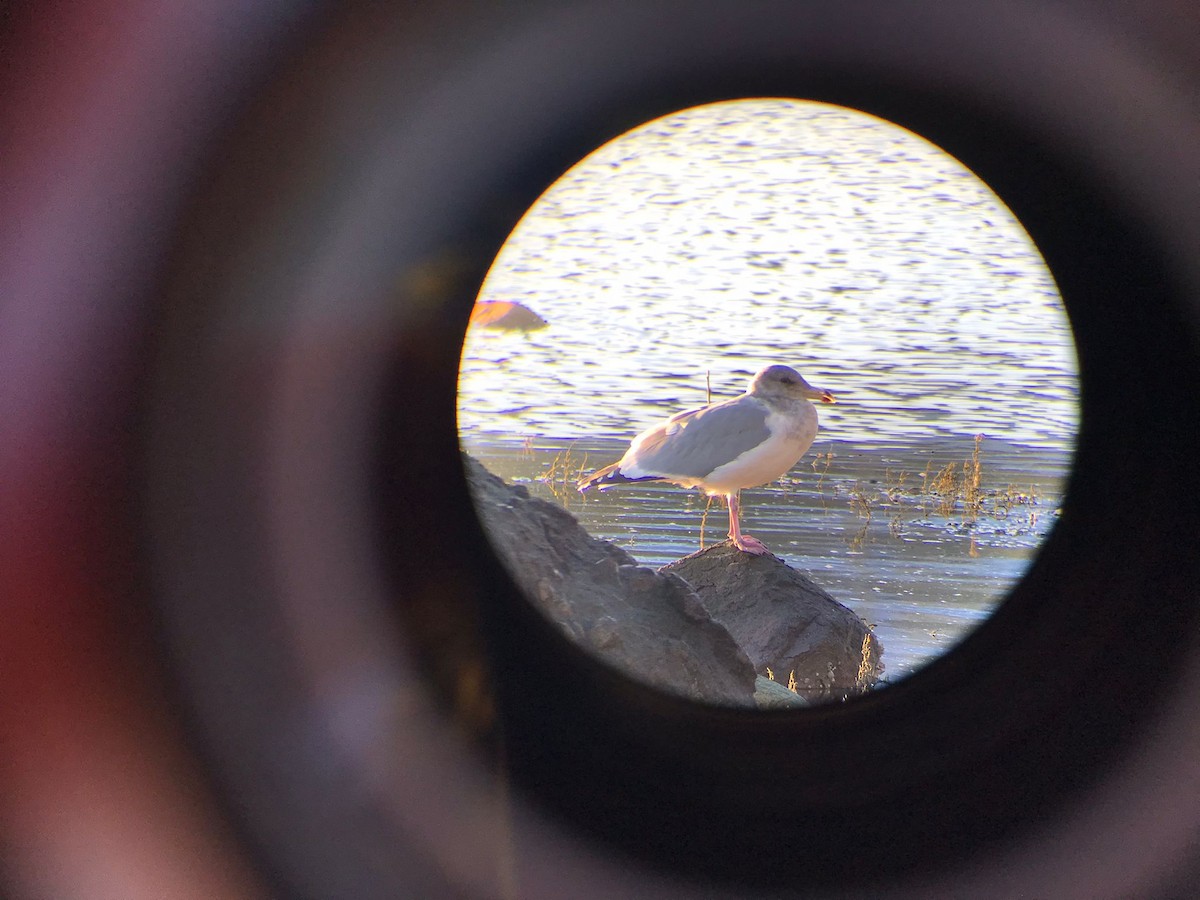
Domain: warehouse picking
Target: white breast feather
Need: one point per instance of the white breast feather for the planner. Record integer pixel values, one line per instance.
(789, 440)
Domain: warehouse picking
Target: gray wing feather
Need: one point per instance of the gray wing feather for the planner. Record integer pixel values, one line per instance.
(693, 444)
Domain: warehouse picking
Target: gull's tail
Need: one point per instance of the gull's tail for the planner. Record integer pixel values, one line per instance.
(610, 477)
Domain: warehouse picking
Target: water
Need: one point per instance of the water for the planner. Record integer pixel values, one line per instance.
(679, 259)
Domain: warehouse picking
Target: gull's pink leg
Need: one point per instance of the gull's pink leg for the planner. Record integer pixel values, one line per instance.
(743, 542)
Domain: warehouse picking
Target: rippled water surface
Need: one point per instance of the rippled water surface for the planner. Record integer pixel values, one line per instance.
(677, 260)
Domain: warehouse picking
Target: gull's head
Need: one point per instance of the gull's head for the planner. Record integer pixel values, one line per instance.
(785, 382)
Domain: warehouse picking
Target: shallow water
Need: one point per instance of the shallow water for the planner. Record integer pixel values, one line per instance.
(676, 261)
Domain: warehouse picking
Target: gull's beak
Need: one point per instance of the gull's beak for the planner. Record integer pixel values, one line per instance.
(824, 396)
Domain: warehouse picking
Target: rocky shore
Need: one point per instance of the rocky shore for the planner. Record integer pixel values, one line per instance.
(708, 627)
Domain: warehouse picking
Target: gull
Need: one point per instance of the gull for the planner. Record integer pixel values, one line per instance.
(721, 448)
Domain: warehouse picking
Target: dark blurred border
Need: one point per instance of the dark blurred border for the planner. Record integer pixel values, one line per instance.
(108, 112)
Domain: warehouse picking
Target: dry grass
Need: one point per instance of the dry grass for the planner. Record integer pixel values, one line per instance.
(563, 475)
(944, 488)
(820, 464)
(864, 679)
(858, 540)
(704, 517)
(792, 685)
(957, 483)
(862, 502)
(955, 488)
(866, 671)
(1004, 502)
(894, 482)
(972, 477)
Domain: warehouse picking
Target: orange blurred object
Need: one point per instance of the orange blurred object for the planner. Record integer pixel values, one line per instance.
(506, 316)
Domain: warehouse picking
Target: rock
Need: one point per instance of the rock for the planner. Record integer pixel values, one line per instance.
(652, 625)
(784, 621)
(505, 315)
(702, 627)
(770, 694)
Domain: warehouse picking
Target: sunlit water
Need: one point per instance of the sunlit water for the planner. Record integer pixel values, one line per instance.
(682, 257)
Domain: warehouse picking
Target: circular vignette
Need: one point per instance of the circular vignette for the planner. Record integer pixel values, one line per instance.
(297, 521)
(883, 331)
